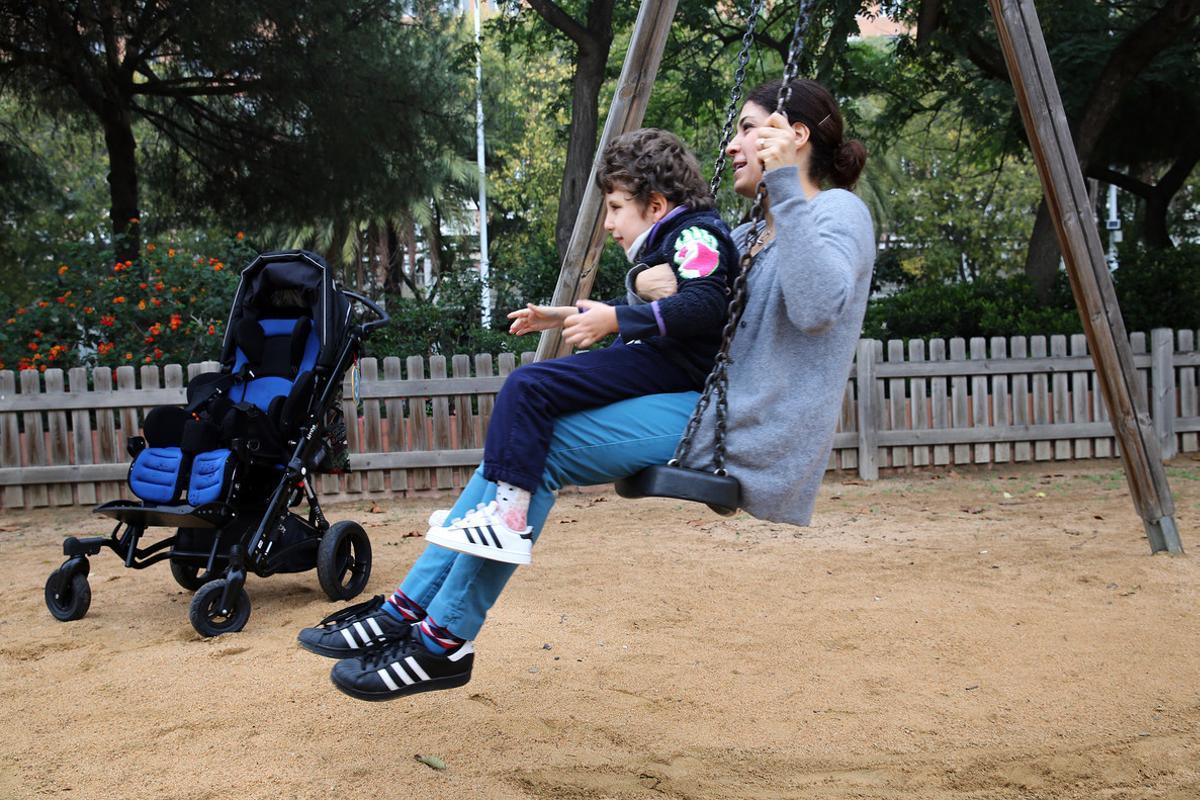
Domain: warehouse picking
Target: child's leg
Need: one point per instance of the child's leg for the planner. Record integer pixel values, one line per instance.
(587, 448)
(536, 395)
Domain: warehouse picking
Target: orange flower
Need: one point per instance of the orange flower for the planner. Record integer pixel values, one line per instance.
(43, 303)
(155, 301)
(141, 305)
(63, 269)
(119, 299)
(129, 356)
(240, 236)
(150, 248)
(156, 328)
(34, 345)
(175, 321)
(20, 311)
(170, 252)
(88, 309)
(134, 221)
(104, 348)
(12, 320)
(159, 286)
(212, 329)
(146, 360)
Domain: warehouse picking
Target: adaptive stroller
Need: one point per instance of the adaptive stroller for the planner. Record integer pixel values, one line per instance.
(226, 469)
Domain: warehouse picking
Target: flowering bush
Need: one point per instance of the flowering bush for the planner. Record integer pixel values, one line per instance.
(169, 306)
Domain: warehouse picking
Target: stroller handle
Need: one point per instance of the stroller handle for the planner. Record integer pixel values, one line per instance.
(367, 327)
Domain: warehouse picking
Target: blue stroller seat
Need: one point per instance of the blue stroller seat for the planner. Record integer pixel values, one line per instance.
(225, 470)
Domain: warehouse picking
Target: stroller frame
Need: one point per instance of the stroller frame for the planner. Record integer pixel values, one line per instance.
(221, 604)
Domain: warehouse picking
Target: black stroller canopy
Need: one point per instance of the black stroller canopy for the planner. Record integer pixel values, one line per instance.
(284, 284)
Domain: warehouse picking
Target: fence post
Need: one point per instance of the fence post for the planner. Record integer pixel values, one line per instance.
(1162, 389)
(868, 413)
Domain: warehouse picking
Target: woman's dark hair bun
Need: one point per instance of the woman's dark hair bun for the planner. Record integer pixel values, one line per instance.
(848, 162)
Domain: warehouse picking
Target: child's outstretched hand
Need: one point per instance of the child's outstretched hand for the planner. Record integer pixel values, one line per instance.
(595, 321)
(532, 319)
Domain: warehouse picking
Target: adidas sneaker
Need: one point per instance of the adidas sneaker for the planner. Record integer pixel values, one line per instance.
(405, 667)
(481, 532)
(354, 631)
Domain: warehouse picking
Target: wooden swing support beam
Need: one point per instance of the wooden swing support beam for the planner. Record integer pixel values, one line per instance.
(1050, 140)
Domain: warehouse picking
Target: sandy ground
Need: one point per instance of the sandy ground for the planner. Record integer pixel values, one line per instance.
(992, 634)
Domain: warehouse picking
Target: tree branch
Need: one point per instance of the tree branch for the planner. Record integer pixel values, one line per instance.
(562, 21)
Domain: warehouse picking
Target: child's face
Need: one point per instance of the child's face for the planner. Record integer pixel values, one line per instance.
(626, 218)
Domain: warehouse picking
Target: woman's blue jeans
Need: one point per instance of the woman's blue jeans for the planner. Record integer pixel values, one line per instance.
(588, 448)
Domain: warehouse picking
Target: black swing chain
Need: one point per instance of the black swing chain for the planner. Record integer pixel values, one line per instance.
(717, 381)
(735, 95)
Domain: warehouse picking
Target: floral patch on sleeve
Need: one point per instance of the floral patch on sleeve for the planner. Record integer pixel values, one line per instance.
(696, 253)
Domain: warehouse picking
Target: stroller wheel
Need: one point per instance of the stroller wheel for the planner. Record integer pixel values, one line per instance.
(344, 560)
(207, 616)
(72, 600)
(187, 575)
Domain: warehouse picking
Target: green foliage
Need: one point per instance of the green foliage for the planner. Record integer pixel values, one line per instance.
(1159, 288)
(987, 307)
(169, 306)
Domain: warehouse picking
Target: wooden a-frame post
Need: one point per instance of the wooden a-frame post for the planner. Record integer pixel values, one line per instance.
(1074, 221)
(625, 114)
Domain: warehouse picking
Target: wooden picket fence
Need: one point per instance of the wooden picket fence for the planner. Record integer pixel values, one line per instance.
(420, 426)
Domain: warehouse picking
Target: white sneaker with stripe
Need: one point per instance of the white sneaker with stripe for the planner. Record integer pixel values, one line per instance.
(482, 533)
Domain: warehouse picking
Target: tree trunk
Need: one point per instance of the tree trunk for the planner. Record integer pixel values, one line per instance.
(581, 147)
(122, 182)
(1041, 260)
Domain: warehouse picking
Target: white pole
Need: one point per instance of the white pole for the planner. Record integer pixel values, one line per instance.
(479, 158)
(1113, 223)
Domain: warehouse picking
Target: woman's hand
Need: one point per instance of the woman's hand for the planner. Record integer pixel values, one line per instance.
(595, 321)
(532, 319)
(656, 282)
(780, 144)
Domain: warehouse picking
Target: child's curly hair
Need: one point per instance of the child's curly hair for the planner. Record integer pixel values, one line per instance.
(653, 160)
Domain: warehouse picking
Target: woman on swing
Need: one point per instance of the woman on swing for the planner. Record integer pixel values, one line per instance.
(807, 294)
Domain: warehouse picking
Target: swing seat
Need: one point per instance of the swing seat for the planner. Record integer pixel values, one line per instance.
(721, 493)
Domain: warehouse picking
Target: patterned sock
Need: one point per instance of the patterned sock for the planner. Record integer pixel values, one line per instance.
(436, 638)
(513, 504)
(400, 606)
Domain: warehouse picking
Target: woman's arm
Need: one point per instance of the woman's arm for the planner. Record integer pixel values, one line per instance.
(819, 254)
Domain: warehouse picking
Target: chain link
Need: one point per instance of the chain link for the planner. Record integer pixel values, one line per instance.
(717, 381)
(735, 95)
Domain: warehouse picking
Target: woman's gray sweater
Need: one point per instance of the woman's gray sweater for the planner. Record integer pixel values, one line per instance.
(793, 349)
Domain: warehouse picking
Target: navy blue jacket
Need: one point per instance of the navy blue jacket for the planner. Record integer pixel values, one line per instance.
(685, 327)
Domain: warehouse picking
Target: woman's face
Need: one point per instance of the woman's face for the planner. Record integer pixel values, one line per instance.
(742, 149)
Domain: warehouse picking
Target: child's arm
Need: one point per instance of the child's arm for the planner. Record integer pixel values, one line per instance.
(532, 319)
(702, 264)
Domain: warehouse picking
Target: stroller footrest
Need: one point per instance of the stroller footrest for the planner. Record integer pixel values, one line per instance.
(209, 515)
(87, 546)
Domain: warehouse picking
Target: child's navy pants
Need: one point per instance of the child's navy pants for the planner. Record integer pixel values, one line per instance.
(536, 395)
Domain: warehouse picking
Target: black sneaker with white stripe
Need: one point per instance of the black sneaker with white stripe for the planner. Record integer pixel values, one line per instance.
(405, 667)
(355, 631)
(482, 533)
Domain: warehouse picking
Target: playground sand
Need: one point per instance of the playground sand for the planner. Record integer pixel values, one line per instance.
(973, 634)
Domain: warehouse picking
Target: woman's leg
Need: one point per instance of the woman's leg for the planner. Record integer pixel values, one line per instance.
(588, 447)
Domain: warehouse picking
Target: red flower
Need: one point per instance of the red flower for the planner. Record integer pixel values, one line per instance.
(176, 320)
(212, 329)
(158, 353)
(108, 321)
(155, 301)
(33, 346)
(119, 299)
